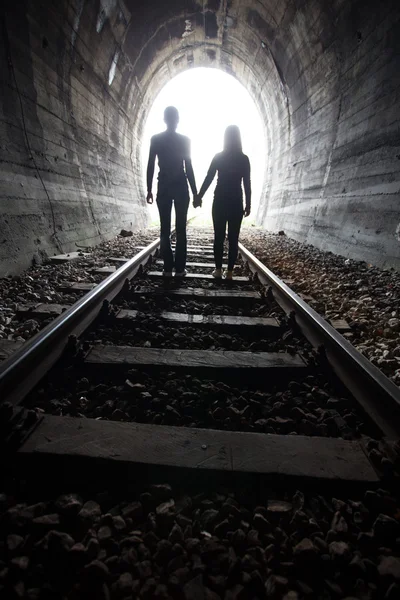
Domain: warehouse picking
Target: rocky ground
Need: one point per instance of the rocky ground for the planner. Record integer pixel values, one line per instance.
(218, 544)
(40, 283)
(366, 296)
(193, 282)
(149, 330)
(307, 406)
(156, 333)
(148, 304)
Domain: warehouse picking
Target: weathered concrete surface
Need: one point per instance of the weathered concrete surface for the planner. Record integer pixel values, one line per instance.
(78, 78)
(66, 174)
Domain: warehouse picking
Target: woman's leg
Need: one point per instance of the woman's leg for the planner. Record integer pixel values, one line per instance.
(234, 224)
(219, 221)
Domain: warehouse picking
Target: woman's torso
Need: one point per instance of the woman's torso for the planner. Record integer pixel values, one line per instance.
(231, 167)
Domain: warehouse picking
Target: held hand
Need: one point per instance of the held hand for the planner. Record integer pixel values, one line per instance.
(149, 198)
(246, 211)
(197, 201)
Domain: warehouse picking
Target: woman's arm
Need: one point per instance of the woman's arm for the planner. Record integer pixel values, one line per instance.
(209, 177)
(247, 186)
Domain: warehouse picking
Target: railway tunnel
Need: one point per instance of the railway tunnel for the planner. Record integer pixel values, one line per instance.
(79, 77)
(188, 435)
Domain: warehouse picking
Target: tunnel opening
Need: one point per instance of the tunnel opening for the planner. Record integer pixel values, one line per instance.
(208, 100)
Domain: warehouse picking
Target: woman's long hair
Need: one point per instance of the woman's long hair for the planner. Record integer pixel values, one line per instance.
(232, 139)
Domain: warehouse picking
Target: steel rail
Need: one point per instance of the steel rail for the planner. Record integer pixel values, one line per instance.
(377, 394)
(27, 365)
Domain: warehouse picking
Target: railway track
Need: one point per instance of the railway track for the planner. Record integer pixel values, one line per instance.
(187, 413)
(254, 359)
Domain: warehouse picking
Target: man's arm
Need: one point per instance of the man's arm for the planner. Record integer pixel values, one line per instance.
(209, 177)
(247, 187)
(189, 170)
(150, 171)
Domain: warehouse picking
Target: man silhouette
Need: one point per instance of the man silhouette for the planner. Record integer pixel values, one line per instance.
(173, 152)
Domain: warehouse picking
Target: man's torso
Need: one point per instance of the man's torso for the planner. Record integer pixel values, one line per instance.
(171, 149)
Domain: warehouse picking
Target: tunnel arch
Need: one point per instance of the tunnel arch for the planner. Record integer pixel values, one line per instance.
(208, 100)
(271, 101)
(79, 76)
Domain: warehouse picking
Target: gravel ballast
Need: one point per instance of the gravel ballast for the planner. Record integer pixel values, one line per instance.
(218, 544)
(307, 406)
(147, 303)
(148, 330)
(366, 296)
(40, 283)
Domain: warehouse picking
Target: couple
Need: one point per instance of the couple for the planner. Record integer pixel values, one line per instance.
(173, 151)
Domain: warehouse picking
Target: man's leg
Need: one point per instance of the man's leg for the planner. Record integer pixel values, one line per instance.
(219, 221)
(164, 204)
(234, 223)
(181, 209)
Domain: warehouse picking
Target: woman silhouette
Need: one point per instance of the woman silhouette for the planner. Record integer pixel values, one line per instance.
(233, 166)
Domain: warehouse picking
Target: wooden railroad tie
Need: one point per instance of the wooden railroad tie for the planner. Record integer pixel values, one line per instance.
(190, 249)
(69, 257)
(40, 310)
(268, 325)
(156, 274)
(120, 260)
(200, 265)
(104, 270)
(109, 444)
(197, 293)
(71, 287)
(208, 276)
(43, 311)
(7, 347)
(272, 364)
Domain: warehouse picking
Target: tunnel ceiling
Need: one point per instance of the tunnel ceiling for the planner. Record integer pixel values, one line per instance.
(79, 77)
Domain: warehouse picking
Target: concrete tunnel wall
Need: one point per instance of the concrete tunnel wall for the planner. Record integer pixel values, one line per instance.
(78, 78)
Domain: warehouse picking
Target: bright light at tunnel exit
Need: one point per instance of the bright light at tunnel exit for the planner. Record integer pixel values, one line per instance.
(208, 100)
